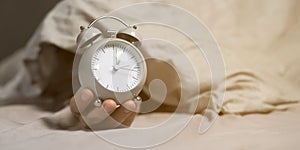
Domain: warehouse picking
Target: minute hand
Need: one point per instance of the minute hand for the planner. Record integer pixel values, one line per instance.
(127, 65)
(124, 68)
(114, 56)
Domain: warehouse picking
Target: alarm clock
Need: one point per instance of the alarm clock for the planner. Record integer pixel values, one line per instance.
(111, 63)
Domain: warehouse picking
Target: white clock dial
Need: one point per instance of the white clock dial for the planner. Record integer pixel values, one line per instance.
(118, 66)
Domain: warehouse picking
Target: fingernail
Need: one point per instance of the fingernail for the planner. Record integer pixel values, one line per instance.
(129, 106)
(85, 96)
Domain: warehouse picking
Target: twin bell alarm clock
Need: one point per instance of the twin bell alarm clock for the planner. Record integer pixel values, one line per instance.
(111, 63)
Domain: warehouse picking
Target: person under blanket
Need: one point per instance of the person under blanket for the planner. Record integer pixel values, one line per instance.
(45, 78)
(52, 70)
(44, 74)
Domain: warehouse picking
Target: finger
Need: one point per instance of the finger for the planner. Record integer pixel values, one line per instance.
(73, 107)
(83, 123)
(128, 121)
(132, 108)
(124, 114)
(81, 100)
(99, 114)
(124, 111)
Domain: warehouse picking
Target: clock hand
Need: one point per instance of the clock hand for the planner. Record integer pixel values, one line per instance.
(117, 66)
(114, 57)
(127, 65)
(123, 68)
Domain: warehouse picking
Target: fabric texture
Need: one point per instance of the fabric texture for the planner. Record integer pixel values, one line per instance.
(256, 53)
(259, 43)
(277, 130)
(259, 47)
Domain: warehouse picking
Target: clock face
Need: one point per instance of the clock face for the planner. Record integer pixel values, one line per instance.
(118, 66)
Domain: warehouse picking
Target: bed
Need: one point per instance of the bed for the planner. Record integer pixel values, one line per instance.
(277, 130)
(260, 108)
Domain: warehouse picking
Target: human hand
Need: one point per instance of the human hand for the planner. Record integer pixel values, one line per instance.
(106, 116)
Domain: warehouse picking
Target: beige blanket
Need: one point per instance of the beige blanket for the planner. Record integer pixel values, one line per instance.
(276, 131)
(258, 40)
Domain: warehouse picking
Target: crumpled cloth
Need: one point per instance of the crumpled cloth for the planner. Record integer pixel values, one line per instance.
(258, 41)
